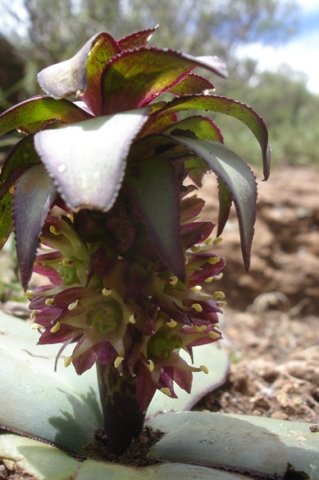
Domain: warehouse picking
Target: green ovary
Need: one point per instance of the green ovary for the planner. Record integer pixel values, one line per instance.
(161, 345)
(105, 317)
(68, 274)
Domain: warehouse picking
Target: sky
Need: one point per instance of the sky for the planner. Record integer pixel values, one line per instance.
(301, 52)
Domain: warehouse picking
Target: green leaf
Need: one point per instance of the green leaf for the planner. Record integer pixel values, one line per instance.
(87, 160)
(225, 201)
(33, 195)
(228, 106)
(65, 78)
(197, 126)
(5, 218)
(104, 48)
(256, 445)
(136, 77)
(190, 85)
(153, 186)
(34, 114)
(137, 39)
(238, 179)
(22, 156)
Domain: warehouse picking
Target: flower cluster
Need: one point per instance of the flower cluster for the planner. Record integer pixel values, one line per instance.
(111, 294)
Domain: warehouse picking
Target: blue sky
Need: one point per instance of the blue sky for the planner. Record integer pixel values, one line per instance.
(301, 52)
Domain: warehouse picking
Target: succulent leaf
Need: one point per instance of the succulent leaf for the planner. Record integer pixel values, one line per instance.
(225, 201)
(239, 180)
(67, 77)
(228, 106)
(87, 160)
(198, 126)
(104, 48)
(134, 78)
(35, 113)
(137, 39)
(191, 85)
(33, 195)
(152, 185)
(215, 439)
(22, 157)
(5, 218)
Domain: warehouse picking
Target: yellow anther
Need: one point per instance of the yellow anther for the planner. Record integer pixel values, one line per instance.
(222, 304)
(217, 240)
(132, 319)
(35, 326)
(196, 288)
(29, 294)
(208, 241)
(33, 315)
(66, 262)
(150, 365)
(197, 307)
(204, 369)
(173, 280)
(219, 295)
(214, 335)
(11, 189)
(70, 216)
(196, 248)
(118, 361)
(106, 292)
(209, 280)
(55, 327)
(72, 306)
(53, 230)
(213, 260)
(166, 391)
(49, 302)
(67, 361)
(219, 276)
(172, 323)
(200, 328)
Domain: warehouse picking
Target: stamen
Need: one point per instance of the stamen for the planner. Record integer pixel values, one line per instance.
(150, 365)
(219, 276)
(49, 302)
(55, 327)
(173, 280)
(213, 260)
(166, 391)
(219, 295)
(29, 294)
(209, 280)
(106, 292)
(11, 189)
(132, 319)
(197, 307)
(208, 241)
(196, 288)
(172, 323)
(204, 369)
(66, 262)
(35, 326)
(72, 306)
(118, 361)
(67, 361)
(196, 248)
(54, 230)
(200, 328)
(217, 240)
(214, 335)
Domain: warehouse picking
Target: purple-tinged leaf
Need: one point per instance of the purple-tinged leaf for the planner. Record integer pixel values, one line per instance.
(152, 185)
(191, 85)
(225, 201)
(35, 113)
(203, 128)
(33, 195)
(134, 78)
(5, 218)
(137, 39)
(104, 48)
(65, 78)
(22, 157)
(228, 106)
(87, 160)
(238, 179)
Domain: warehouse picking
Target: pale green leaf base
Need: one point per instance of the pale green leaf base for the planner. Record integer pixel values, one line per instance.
(250, 444)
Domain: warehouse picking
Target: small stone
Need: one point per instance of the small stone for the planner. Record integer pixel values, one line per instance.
(279, 415)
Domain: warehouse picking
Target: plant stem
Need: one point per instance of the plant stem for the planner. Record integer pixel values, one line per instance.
(122, 416)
